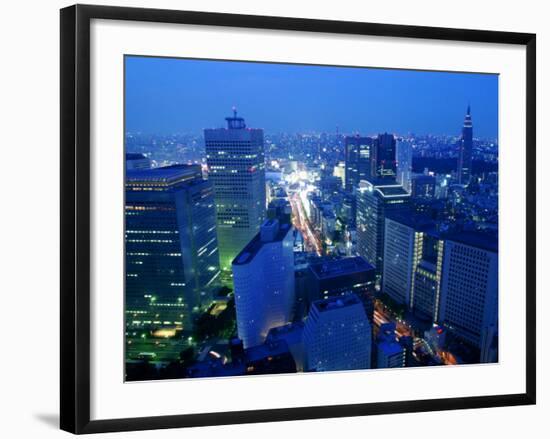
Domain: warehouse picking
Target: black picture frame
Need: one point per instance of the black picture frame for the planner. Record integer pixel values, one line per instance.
(75, 217)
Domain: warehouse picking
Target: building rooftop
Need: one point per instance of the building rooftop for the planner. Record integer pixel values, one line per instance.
(387, 187)
(483, 240)
(331, 268)
(392, 191)
(135, 156)
(418, 222)
(334, 303)
(253, 247)
(166, 175)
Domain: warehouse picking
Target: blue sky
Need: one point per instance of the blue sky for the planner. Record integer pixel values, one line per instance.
(170, 95)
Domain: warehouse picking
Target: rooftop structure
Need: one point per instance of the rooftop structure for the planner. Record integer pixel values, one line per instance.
(271, 231)
(337, 267)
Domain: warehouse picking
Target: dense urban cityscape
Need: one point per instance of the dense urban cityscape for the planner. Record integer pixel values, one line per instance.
(309, 252)
(252, 252)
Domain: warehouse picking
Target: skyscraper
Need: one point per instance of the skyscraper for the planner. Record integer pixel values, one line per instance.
(263, 276)
(235, 158)
(172, 260)
(464, 170)
(374, 202)
(413, 257)
(338, 277)
(384, 160)
(469, 291)
(404, 163)
(358, 152)
(337, 335)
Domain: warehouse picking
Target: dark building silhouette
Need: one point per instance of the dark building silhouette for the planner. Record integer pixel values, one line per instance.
(464, 170)
(358, 160)
(384, 162)
(172, 261)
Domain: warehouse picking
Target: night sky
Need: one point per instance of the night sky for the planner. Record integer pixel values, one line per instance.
(168, 95)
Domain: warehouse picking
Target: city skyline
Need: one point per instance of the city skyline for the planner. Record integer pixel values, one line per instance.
(304, 98)
(251, 254)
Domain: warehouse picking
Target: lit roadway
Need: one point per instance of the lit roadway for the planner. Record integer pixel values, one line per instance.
(382, 315)
(302, 224)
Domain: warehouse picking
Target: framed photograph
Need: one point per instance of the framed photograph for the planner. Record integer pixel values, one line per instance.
(268, 219)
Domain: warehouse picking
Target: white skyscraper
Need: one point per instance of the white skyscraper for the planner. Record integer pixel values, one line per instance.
(469, 291)
(400, 247)
(413, 255)
(337, 335)
(263, 276)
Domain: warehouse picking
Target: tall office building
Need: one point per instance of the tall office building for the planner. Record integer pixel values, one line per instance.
(384, 159)
(338, 277)
(374, 202)
(263, 276)
(358, 152)
(469, 291)
(400, 248)
(465, 144)
(427, 288)
(404, 163)
(337, 335)
(172, 260)
(413, 258)
(236, 167)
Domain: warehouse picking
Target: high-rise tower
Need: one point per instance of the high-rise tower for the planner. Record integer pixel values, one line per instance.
(469, 287)
(337, 335)
(172, 261)
(384, 160)
(358, 160)
(404, 163)
(464, 170)
(236, 167)
(374, 202)
(264, 282)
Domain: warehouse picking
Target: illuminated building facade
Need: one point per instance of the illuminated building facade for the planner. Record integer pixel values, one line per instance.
(337, 335)
(469, 293)
(413, 260)
(263, 276)
(374, 202)
(358, 151)
(338, 277)
(236, 168)
(172, 260)
(404, 163)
